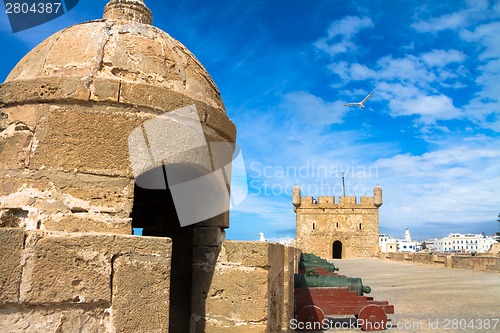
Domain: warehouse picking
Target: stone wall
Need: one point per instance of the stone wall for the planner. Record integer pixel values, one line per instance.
(83, 282)
(479, 263)
(354, 224)
(292, 257)
(247, 289)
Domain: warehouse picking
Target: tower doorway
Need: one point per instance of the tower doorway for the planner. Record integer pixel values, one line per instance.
(337, 250)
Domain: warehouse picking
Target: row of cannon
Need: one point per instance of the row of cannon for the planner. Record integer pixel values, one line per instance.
(321, 292)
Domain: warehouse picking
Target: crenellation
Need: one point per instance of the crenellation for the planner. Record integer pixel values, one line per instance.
(337, 202)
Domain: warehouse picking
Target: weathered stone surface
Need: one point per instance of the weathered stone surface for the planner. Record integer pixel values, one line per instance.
(288, 289)
(66, 269)
(215, 326)
(31, 67)
(275, 288)
(105, 90)
(68, 201)
(220, 122)
(240, 293)
(253, 254)
(88, 140)
(247, 286)
(131, 52)
(55, 319)
(90, 223)
(76, 268)
(141, 288)
(15, 147)
(44, 89)
(11, 246)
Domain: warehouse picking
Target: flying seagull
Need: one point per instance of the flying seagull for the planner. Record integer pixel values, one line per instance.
(362, 103)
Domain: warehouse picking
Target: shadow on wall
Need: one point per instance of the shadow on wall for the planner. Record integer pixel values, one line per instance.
(154, 214)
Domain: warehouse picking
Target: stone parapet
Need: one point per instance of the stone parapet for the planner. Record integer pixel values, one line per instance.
(247, 288)
(479, 263)
(83, 282)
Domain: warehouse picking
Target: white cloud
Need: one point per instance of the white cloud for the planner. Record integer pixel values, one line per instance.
(428, 108)
(449, 21)
(314, 109)
(340, 35)
(440, 185)
(484, 108)
(440, 58)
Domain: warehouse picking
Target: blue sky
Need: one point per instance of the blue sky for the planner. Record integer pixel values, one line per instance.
(429, 135)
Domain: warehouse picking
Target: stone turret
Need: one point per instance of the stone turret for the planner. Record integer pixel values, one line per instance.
(128, 10)
(69, 184)
(69, 107)
(296, 196)
(377, 196)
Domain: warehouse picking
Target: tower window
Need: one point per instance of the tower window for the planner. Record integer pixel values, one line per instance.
(360, 226)
(337, 224)
(314, 226)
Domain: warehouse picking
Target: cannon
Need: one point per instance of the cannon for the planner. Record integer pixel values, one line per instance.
(352, 284)
(305, 265)
(310, 261)
(319, 291)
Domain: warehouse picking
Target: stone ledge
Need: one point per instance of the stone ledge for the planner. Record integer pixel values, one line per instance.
(74, 88)
(478, 263)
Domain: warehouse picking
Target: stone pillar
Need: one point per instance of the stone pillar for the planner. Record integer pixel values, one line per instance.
(291, 267)
(246, 290)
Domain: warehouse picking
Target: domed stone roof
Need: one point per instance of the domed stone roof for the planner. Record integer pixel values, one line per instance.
(123, 47)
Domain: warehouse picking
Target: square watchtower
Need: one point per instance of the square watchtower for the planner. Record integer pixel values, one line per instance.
(343, 228)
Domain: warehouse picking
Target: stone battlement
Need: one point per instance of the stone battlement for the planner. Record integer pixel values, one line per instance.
(337, 202)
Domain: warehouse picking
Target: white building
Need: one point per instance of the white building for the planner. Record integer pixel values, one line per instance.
(464, 243)
(387, 244)
(407, 244)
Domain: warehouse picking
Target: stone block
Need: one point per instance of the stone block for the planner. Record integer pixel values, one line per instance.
(11, 246)
(93, 222)
(157, 97)
(66, 269)
(143, 245)
(240, 293)
(74, 52)
(221, 123)
(141, 290)
(44, 89)
(253, 254)
(288, 294)
(76, 268)
(87, 140)
(55, 319)
(105, 90)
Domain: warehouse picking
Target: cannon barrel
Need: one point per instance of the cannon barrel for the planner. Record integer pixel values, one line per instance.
(325, 265)
(353, 284)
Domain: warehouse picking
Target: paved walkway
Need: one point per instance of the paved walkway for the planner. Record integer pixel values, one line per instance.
(430, 298)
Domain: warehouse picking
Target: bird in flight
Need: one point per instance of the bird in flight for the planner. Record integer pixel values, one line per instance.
(362, 103)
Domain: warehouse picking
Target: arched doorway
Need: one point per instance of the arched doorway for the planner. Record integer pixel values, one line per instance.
(337, 250)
